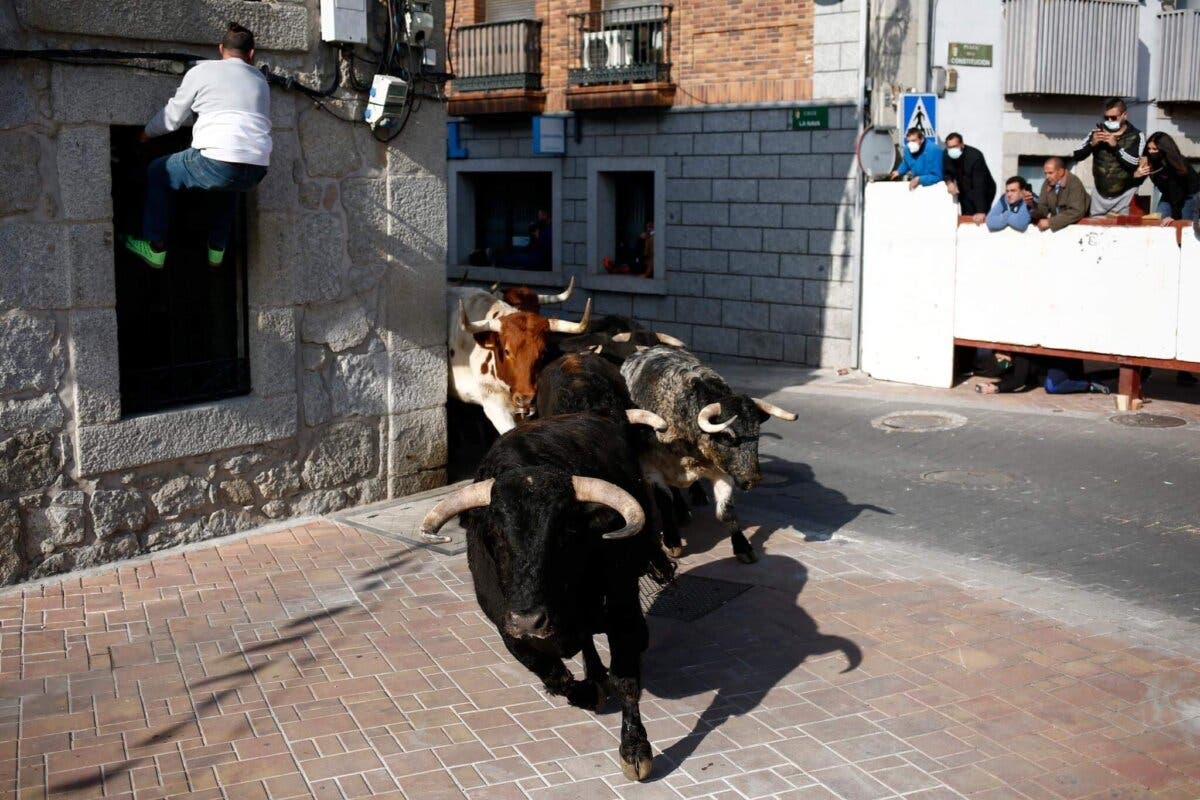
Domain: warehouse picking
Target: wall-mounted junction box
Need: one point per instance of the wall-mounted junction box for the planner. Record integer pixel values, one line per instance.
(344, 21)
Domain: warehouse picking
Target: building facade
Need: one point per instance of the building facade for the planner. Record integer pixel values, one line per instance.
(1033, 81)
(691, 165)
(141, 409)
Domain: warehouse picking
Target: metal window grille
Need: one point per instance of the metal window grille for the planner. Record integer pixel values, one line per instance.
(627, 44)
(499, 55)
(1179, 62)
(182, 331)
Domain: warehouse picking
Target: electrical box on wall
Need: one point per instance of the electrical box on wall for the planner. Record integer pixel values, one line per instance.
(418, 22)
(344, 21)
(385, 101)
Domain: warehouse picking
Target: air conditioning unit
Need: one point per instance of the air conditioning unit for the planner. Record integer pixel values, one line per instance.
(608, 49)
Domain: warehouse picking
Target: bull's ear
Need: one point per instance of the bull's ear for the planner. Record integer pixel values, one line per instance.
(488, 340)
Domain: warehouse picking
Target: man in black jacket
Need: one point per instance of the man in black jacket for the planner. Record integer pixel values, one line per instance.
(968, 178)
(1115, 147)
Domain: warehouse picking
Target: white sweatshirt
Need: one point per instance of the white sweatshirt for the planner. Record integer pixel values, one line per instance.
(233, 102)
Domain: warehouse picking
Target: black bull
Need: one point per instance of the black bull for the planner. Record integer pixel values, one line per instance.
(545, 574)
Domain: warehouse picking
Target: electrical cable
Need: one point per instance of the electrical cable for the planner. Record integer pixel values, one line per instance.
(450, 38)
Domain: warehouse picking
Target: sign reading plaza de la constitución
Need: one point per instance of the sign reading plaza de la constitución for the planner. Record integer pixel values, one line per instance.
(964, 54)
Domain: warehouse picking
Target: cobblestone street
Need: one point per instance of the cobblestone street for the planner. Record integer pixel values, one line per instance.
(321, 661)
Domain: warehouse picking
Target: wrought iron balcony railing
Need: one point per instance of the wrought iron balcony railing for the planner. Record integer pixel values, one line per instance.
(620, 45)
(499, 55)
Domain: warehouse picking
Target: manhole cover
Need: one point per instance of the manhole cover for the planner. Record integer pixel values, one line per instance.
(1147, 420)
(689, 598)
(970, 478)
(919, 421)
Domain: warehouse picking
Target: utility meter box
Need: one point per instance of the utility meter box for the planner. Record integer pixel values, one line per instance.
(418, 22)
(386, 101)
(344, 21)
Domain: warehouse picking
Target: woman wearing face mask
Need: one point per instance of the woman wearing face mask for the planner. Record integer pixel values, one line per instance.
(1172, 175)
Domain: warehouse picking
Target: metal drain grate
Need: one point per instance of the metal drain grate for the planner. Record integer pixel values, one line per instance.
(689, 598)
(919, 421)
(1148, 421)
(970, 478)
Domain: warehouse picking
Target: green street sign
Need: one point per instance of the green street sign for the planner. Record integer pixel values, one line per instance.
(963, 54)
(810, 118)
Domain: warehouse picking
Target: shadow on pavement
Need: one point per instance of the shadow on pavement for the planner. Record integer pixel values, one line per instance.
(738, 654)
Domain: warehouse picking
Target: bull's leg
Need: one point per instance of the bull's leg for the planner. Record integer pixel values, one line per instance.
(683, 512)
(697, 495)
(555, 676)
(723, 492)
(593, 667)
(626, 684)
(670, 526)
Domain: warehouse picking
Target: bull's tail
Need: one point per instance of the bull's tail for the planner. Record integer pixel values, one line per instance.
(839, 644)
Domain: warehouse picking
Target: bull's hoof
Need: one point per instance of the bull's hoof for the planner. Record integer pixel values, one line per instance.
(674, 552)
(746, 556)
(639, 768)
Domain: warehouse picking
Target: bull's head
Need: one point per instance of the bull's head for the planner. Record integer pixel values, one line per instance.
(523, 298)
(541, 536)
(732, 425)
(517, 348)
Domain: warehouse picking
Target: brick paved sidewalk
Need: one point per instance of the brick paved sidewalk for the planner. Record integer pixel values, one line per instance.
(325, 662)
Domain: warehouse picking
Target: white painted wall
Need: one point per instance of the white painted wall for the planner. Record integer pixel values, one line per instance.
(1099, 289)
(976, 110)
(908, 284)
(1005, 129)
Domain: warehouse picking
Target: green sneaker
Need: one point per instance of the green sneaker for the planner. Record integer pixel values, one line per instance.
(215, 257)
(142, 249)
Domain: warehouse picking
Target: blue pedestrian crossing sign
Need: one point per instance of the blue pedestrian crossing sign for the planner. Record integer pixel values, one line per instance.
(918, 111)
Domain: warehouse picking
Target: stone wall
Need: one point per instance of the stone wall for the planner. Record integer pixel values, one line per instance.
(759, 225)
(347, 330)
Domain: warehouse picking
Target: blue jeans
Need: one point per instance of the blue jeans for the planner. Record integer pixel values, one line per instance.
(1188, 212)
(191, 170)
(1059, 382)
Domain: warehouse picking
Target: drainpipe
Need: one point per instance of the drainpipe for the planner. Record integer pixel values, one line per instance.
(864, 120)
(923, 13)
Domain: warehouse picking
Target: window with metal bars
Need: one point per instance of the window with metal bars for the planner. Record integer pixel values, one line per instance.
(182, 331)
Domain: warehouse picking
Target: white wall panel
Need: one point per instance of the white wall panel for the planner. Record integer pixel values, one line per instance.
(1188, 346)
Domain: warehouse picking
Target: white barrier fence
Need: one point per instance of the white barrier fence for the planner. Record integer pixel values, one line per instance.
(1113, 290)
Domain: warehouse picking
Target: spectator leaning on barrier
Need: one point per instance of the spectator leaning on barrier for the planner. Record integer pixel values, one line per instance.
(1115, 147)
(968, 178)
(1012, 209)
(1172, 175)
(922, 159)
(1063, 200)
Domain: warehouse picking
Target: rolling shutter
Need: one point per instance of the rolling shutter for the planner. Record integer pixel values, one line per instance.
(501, 10)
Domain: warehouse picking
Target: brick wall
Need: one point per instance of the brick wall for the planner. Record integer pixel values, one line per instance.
(722, 51)
(759, 226)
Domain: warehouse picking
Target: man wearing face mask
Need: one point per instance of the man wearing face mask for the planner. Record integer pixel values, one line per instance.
(922, 159)
(1115, 147)
(968, 178)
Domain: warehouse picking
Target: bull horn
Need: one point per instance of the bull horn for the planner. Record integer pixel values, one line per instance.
(562, 326)
(640, 416)
(561, 297)
(495, 287)
(487, 326)
(476, 495)
(705, 419)
(594, 490)
(774, 410)
(621, 337)
(668, 339)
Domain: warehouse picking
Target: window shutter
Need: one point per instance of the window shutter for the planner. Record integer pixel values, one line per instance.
(608, 4)
(501, 10)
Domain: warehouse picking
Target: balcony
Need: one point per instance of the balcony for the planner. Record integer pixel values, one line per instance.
(620, 58)
(1179, 64)
(498, 68)
(1086, 48)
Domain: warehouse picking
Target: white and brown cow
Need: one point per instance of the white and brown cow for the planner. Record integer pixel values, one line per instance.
(497, 351)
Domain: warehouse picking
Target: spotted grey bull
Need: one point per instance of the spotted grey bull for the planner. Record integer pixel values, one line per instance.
(712, 433)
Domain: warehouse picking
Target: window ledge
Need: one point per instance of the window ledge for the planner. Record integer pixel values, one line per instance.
(507, 277)
(194, 431)
(627, 284)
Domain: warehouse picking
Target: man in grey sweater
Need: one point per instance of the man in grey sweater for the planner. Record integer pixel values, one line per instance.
(231, 145)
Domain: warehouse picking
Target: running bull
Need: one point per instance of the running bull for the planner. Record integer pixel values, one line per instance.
(556, 543)
(712, 433)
